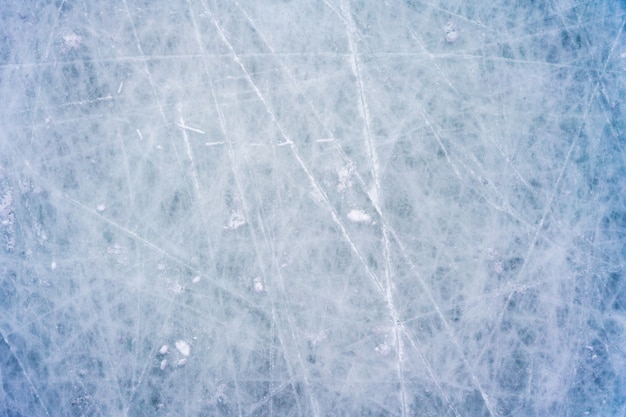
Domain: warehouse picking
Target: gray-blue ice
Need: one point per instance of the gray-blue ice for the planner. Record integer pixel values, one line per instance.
(312, 208)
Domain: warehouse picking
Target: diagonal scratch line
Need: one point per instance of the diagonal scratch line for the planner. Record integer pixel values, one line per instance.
(246, 73)
(317, 188)
(557, 183)
(154, 247)
(431, 373)
(30, 382)
(446, 325)
(476, 119)
(314, 184)
(287, 141)
(144, 61)
(375, 195)
(430, 298)
(239, 181)
(363, 108)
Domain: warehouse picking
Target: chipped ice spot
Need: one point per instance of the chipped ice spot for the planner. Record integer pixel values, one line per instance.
(451, 33)
(258, 285)
(183, 347)
(72, 40)
(164, 350)
(177, 288)
(235, 221)
(344, 175)
(163, 364)
(101, 208)
(196, 279)
(6, 205)
(383, 348)
(316, 338)
(53, 265)
(359, 216)
(220, 394)
(181, 362)
(317, 195)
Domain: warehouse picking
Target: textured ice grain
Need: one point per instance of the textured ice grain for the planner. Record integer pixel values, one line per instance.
(312, 208)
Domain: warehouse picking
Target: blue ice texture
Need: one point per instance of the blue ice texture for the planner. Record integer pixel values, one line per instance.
(312, 208)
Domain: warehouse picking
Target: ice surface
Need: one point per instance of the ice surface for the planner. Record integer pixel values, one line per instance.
(312, 208)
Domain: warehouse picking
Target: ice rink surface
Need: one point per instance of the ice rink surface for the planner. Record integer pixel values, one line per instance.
(312, 208)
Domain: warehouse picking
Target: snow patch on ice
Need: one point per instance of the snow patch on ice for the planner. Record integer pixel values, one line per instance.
(359, 216)
(183, 347)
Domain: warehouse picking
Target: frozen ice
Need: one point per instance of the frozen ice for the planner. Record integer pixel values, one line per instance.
(312, 208)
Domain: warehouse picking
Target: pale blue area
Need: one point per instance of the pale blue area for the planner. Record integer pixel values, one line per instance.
(341, 208)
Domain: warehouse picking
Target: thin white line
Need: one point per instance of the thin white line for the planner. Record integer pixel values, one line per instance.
(189, 128)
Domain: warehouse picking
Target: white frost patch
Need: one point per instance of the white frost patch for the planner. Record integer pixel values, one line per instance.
(359, 216)
(163, 364)
(53, 265)
(164, 350)
(183, 347)
(101, 208)
(196, 279)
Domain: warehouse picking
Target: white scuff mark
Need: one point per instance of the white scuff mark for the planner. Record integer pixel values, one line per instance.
(451, 33)
(189, 128)
(139, 134)
(325, 140)
(359, 216)
(373, 195)
(183, 347)
(177, 288)
(53, 265)
(383, 348)
(196, 279)
(213, 143)
(101, 208)
(72, 40)
(114, 250)
(235, 221)
(315, 339)
(258, 285)
(317, 195)
(344, 175)
(119, 89)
